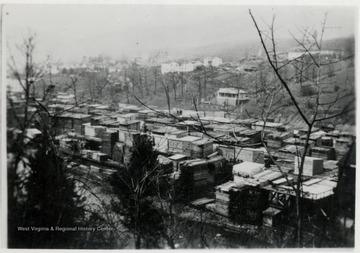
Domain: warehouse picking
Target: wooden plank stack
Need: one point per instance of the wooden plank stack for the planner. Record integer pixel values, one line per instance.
(275, 140)
(246, 205)
(312, 166)
(326, 153)
(290, 151)
(201, 148)
(222, 198)
(228, 152)
(286, 164)
(128, 137)
(326, 141)
(247, 169)
(118, 152)
(342, 146)
(109, 139)
(249, 155)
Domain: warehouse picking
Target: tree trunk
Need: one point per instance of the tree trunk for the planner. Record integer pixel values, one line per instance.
(127, 95)
(137, 241)
(168, 100)
(155, 81)
(174, 92)
(182, 84)
(76, 101)
(171, 242)
(200, 92)
(146, 83)
(298, 190)
(204, 84)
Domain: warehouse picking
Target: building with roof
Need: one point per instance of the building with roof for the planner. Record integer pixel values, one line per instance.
(231, 96)
(169, 67)
(212, 61)
(174, 67)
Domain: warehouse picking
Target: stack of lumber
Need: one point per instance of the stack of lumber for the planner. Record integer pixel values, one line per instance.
(129, 137)
(275, 140)
(95, 131)
(228, 152)
(282, 181)
(247, 169)
(250, 155)
(330, 165)
(326, 141)
(326, 153)
(286, 164)
(312, 166)
(118, 152)
(290, 151)
(267, 176)
(109, 139)
(246, 205)
(200, 148)
(222, 198)
(342, 146)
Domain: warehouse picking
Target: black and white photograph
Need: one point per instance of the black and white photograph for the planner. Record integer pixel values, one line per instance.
(184, 125)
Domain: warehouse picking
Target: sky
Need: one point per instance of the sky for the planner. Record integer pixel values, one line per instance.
(68, 32)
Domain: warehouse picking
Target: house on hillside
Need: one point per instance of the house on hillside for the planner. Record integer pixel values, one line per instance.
(197, 63)
(186, 67)
(231, 96)
(216, 61)
(169, 67)
(324, 54)
(212, 61)
(176, 67)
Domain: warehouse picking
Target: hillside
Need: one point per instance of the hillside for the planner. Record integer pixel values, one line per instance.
(237, 50)
(149, 88)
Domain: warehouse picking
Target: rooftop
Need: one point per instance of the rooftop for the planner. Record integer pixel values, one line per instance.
(246, 167)
(73, 115)
(231, 90)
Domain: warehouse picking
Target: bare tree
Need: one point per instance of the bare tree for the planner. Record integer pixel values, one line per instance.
(100, 83)
(136, 79)
(73, 86)
(156, 76)
(200, 78)
(166, 87)
(145, 75)
(183, 82)
(174, 80)
(319, 110)
(126, 85)
(40, 191)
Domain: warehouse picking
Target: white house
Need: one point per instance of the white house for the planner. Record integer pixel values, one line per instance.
(297, 53)
(216, 61)
(186, 67)
(175, 67)
(212, 61)
(197, 64)
(231, 96)
(169, 67)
